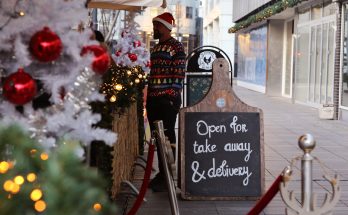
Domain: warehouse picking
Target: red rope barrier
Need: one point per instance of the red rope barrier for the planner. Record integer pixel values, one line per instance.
(267, 197)
(146, 180)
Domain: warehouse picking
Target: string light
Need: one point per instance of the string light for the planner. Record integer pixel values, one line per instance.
(8, 185)
(121, 84)
(40, 206)
(11, 163)
(97, 207)
(112, 98)
(33, 151)
(15, 189)
(31, 177)
(36, 194)
(4, 166)
(118, 87)
(19, 180)
(264, 14)
(44, 156)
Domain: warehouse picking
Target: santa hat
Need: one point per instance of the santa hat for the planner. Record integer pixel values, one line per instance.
(166, 19)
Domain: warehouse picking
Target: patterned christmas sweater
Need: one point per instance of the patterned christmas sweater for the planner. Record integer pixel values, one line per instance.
(167, 70)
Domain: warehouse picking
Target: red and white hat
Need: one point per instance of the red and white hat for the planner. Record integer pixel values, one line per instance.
(166, 19)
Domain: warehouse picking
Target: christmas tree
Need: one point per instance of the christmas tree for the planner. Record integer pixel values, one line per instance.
(51, 71)
(34, 181)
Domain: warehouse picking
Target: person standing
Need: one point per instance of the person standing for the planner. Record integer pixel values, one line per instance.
(165, 84)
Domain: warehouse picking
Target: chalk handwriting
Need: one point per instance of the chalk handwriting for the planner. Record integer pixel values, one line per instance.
(204, 148)
(239, 147)
(197, 176)
(238, 127)
(204, 129)
(220, 171)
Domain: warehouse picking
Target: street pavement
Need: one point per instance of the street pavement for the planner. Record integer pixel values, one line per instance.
(284, 123)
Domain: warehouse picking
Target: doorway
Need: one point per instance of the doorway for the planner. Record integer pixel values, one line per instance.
(314, 67)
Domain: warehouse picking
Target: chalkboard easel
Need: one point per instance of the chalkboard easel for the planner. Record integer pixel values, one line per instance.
(221, 145)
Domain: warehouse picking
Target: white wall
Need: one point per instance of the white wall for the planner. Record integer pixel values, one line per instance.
(178, 9)
(217, 19)
(243, 7)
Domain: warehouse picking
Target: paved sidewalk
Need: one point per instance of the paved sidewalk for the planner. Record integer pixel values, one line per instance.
(284, 122)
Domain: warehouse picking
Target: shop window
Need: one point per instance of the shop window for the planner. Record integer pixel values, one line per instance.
(252, 56)
(345, 63)
(189, 12)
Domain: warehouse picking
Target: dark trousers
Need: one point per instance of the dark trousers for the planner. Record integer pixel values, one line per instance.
(165, 111)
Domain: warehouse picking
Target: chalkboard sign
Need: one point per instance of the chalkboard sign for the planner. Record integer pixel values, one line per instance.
(221, 144)
(222, 154)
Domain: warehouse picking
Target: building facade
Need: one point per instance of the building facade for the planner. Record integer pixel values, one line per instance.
(217, 20)
(295, 49)
(188, 28)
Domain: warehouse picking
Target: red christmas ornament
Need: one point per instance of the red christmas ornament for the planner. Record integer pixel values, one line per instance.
(136, 43)
(118, 53)
(148, 64)
(45, 45)
(132, 57)
(19, 88)
(101, 59)
(124, 33)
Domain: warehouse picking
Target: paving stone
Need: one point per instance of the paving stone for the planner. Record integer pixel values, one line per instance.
(284, 122)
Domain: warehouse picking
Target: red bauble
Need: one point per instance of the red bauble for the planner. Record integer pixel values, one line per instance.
(45, 45)
(101, 61)
(132, 57)
(136, 43)
(19, 88)
(124, 33)
(118, 53)
(148, 64)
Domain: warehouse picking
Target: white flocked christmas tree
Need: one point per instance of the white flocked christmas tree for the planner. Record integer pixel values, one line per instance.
(40, 53)
(129, 50)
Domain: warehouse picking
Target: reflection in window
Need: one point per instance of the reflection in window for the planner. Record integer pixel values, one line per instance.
(302, 65)
(189, 12)
(252, 56)
(345, 63)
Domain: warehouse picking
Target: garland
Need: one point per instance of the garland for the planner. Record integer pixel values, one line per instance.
(267, 12)
(122, 86)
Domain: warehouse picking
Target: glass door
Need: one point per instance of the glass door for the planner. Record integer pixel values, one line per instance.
(314, 67)
(302, 39)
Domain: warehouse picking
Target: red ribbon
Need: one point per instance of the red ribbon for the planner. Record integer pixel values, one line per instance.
(267, 197)
(146, 180)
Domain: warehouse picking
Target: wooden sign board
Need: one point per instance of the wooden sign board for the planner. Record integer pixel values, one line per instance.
(221, 145)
